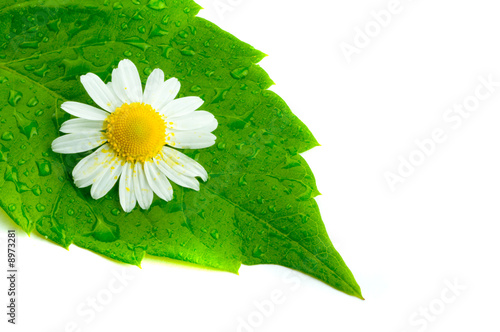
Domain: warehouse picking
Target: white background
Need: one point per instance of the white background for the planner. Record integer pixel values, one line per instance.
(405, 247)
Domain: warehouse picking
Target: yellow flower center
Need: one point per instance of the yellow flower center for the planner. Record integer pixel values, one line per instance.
(136, 132)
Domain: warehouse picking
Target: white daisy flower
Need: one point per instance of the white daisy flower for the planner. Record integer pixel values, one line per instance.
(133, 132)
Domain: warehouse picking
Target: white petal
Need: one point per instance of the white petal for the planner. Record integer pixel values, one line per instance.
(200, 120)
(166, 93)
(100, 92)
(143, 191)
(91, 179)
(90, 160)
(153, 86)
(76, 143)
(173, 175)
(126, 190)
(189, 139)
(112, 91)
(107, 179)
(84, 111)
(183, 164)
(127, 82)
(181, 106)
(79, 125)
(158, 181)
(88, 170)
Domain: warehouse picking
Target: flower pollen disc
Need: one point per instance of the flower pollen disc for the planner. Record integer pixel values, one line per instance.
(136, 132)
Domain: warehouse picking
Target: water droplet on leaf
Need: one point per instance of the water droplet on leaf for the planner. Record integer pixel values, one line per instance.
(44, 167)
(28, 127)
(14, 97)
(215, 234)
(7, 136)
(239, 73)
(32, 102)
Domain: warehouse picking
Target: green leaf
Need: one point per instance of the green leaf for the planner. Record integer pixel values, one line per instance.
(258, 206)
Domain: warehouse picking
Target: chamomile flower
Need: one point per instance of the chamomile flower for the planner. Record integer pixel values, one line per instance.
(135, 133)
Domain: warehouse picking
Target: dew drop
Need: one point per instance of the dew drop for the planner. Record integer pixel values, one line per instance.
(42, 71)
(28, 127)
(44, 167)
(14, 97)
(137, 42)
(36, 190)
(239, 73)
(7, 136)
(257, 251)
(105, 231)
(3, 152)
(242, 181)
(215, 234)
(158, 32)
(32, 102)
(54, 25)
(188, 51)
(40, 207)
(157, 4)
(220, 95)
(137, 16)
